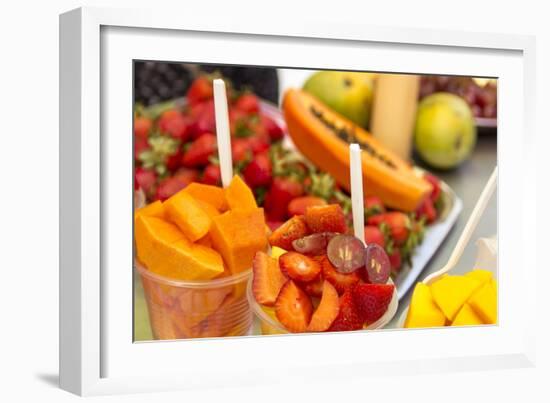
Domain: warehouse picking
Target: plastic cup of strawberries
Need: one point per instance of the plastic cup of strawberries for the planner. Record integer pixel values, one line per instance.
(318, 278)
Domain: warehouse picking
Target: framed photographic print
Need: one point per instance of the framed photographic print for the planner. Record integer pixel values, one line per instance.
(234, 201)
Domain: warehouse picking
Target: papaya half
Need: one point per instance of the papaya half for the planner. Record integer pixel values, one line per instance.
(323, 136)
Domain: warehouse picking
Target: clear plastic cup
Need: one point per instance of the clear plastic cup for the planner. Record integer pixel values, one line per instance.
(270, 325)
(194, 309)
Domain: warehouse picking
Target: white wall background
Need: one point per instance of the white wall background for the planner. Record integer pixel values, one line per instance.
(29, 198)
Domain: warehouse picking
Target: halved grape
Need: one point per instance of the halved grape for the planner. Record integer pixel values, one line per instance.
(314, 244)
(346, 253)
(377, 264)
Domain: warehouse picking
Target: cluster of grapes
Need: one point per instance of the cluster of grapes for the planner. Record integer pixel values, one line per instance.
(482, 99)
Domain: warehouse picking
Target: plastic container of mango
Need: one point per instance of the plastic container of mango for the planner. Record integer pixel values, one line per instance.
(194, 309)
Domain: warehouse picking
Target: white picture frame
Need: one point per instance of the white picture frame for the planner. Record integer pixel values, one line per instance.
(96, 355)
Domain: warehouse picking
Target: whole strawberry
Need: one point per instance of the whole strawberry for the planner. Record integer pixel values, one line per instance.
(200, 90)
(212, 175)
(398, 223)
(281, 192)
(258, 171)
(373, 234)
(248, 103)
(142, 127)
(200, 151)
(145, 179)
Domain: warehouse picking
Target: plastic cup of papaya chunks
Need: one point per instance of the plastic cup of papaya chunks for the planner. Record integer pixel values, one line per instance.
(270, 325)
(196, 309)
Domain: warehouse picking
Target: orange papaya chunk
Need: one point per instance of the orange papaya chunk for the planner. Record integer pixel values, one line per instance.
(208, 208)
(237, 235)
(165, 250)
(186, 212)
(155, 209)
(239, 196)
(209, 194)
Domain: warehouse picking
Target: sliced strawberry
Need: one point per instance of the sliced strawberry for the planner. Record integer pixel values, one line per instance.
(293, 308)
(395, 260)
(200, 90)
(340, 281)
(374, 205)
(142, 127)
(299, 205)
(212, 175)
(200, 151)
(436, 186)
(146, 179)
(372, 300)
(315, 287)
(273, 225)
(291, 230)
(258, 171)
(398, 223)
(328, 218)
(299, 267)
(326, 311)
(248, 103)
(348, 317)
(273, 129)
(374, 235)
(267, 279)
(427, 210)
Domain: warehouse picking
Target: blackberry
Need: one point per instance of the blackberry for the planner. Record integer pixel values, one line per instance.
(155, 82)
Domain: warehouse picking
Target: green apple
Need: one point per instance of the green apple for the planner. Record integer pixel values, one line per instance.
(348, 93)
(445, 131)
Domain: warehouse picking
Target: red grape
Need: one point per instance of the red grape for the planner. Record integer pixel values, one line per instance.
(346, 253)
(314, 244)
(377, 264)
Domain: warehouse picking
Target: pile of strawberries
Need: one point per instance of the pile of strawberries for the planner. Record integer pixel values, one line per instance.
(397, 232)
(308, 293)
(177, 146)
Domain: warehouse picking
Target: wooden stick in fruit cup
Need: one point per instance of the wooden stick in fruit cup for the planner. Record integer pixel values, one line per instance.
(222, 132)
(357, 200)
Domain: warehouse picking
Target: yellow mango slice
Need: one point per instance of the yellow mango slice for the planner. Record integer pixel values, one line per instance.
(186, 212)
(484, 303)
(467, 317)
(208, 193)
(277, 252)
(423, 312)
(483, 276)
(238, 235)
(155, 209)
(451, 292)
(165, 250)
(239, 196)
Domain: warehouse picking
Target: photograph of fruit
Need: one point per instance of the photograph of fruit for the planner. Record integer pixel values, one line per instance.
(243, 212)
